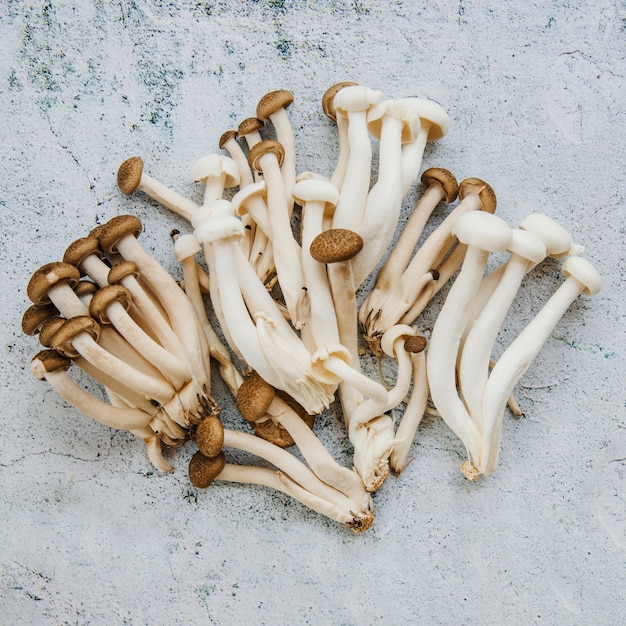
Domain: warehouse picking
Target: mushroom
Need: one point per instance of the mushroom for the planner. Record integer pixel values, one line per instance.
(218, 173)
(483, 233)
(228, 141)
(581, 277)
(130, 177)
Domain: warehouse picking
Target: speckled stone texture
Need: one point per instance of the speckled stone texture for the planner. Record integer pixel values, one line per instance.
(91, 534)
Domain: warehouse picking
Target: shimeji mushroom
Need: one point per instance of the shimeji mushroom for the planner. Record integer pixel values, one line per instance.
(398, 124)
(440, 184)
(473, 364)
(482, 233)
(130, 177)
(218, 173)
(581, 277)
(266, 158)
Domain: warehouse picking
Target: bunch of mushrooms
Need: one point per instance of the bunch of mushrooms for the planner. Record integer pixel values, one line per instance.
(291, 330)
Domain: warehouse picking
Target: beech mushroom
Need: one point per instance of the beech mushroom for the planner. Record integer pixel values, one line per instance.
(218, 173)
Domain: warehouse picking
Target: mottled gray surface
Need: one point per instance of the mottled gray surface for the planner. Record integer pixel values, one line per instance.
(92, 535)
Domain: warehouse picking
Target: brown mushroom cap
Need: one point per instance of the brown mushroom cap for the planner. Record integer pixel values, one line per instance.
(254, 397)
(336, 245)
(249, 125)
(80, 249)
(272, 102)
(121, 270)
(265, 147)
(47, 276)
(329, 96)
(104, 297)
(203, 470)
(62, 339)
(226, 137)
(486, 194)
(48, 361)
(49, 329)
(85, 287)
(415, 344)
(35, 317)
(118, 228)
(209, 436)
(445, 178)
(129, 175)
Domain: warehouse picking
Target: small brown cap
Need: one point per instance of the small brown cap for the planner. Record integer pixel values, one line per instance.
(106, 296)
(226, 137)
(479, 187)
(118, 228)
(62, 339)
(203, 470)
(121, 270)
(85, 287)
(209, 436)
(445, 178)
(80, 249)
(254, 397)
(49, 329)
(249, 125)
(49, 361)
(129, 175)
(415, 344)
(266, 146)
(272, 102)
(48, 276)
(336, 245)
(329, 96)
(36, 315)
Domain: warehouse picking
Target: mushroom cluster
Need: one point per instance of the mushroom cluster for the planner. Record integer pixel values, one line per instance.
(291, 330)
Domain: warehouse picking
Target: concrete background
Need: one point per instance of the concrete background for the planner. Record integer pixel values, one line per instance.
(92, 535)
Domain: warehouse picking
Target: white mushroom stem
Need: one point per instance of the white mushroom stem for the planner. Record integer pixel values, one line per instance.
(155, 453)
(280, 482)
(287, 463)
(413, 414)
(494, 234)
(229, 142)
(582, 277)
(344, 150)
(473, 364)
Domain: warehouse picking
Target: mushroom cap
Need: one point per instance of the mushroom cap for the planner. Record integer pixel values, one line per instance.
(186, 246)
(336, 245)
(272, 102)
(85, 288)
(214, 166)
(415, 344)
(226, 137)
(62, 339)
(329, 96)
(527, 246)
(557, 240)
(209, 436)
(218, 227)
(106, 296)
(356, 98)
(249, 125)
(80, 249)
(267, 146)
(391, 335)
(484, 191)
(240, 199)
(316, 190)
(49, 329)
(203, 470)
(483, 230)
(445, 178)
(116, 229)
(121, 270)
(254, 397)
(584, 272)
(47, 276)
(36, 315)
(129, 175)
(48, 361)
(413, 112)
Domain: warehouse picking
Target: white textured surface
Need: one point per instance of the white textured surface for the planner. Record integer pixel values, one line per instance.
(91, 535)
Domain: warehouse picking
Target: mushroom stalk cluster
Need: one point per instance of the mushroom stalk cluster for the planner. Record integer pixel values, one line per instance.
(293, 318)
